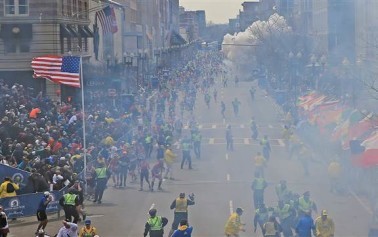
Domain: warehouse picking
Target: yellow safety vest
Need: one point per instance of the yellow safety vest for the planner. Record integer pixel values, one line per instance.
(259, 183)
(155, 223)
(181, 205)
(284, 212)
(69, 199)
(304, 205)
(88, 233)
(270, 229)
(101, 173)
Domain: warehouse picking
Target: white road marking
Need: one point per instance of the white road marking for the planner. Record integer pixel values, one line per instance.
(241, 125)
(152, 206)
(231, 207)
(226, 156)
(200, 126)
(246, 141)
(228, 177)
(280, 141)
(211, 141)
(270, 126)
(214, 126)
(224, 121)
(368, 209)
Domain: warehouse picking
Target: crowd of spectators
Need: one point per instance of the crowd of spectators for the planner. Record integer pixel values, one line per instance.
(44, 137)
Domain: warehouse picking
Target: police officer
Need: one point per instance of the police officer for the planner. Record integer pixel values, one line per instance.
(180, 205)
(102, 175)
(155, 224)
(69, 201)
(197, 137)
(285, 212)
(305, 204)
(186, 146)
(258, 186)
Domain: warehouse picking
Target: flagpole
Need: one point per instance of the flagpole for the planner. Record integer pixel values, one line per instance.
(83, 112)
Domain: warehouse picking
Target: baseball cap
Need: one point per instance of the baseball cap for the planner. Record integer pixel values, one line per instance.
(324, 213)
(88, 222)
(46, 193)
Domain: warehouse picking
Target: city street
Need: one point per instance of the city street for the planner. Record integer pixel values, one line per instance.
(221, 180)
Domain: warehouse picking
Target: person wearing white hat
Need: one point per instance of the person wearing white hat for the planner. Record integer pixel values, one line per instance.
(41, 211)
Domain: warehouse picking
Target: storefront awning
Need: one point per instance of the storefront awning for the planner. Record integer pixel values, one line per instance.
(64, 32)
(85, 32)
(177, 39)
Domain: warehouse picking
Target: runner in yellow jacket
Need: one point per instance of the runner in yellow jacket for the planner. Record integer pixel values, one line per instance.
(233, 225)
(324, 226)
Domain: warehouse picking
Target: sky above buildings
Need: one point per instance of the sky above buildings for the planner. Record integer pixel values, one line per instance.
(217, 11)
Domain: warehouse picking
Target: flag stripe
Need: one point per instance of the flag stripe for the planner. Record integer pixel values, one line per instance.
(61, 70)
(107, 20)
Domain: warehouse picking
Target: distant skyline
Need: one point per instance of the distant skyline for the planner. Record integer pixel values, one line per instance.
(217, 11)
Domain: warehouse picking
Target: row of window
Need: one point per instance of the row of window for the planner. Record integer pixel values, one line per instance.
(16, 7)
(78, 8)
(67, 44)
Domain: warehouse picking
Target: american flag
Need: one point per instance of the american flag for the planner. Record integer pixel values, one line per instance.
(62, 70)
(108, 20)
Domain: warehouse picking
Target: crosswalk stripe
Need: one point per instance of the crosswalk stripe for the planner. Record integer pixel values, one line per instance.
(241, 125)
(211, 141)
(214, 126)
(246, 141)
(270, 126)
(281, 142)
(200, 126)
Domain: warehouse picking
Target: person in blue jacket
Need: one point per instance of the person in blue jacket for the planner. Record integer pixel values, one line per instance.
(184, 230)
(305, 225)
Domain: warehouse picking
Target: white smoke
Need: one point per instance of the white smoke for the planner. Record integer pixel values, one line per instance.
(240, 48)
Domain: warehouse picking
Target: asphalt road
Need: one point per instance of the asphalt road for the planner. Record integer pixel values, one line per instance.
(221, 180)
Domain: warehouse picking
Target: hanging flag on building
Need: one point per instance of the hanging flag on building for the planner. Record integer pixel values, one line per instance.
(108, 20)
(59, 69)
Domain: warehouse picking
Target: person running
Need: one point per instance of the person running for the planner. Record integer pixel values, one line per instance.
(223, 109)
(260, 163)
(155, 224)
(41, 211)
(184, 230)
(88, 230)
(157, 173)
(255, 132)
(215, 95)
(229, 139)
(169, 159)
(234, 225)
(236, 106)
(144, 174)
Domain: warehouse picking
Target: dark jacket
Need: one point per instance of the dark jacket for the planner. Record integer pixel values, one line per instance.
(155, 233)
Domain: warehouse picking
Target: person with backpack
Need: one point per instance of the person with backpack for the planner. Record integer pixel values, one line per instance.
(8, 188)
